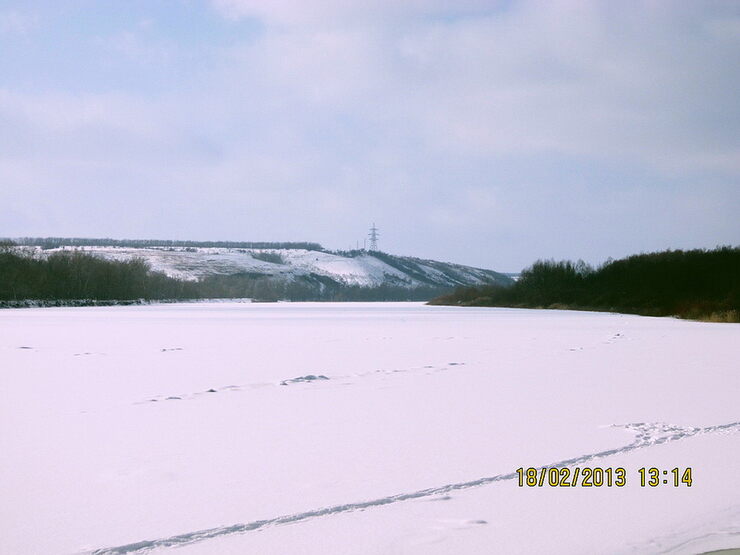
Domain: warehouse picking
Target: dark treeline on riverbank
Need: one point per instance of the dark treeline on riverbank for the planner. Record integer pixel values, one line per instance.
(68, 276)
(311, 287)
(695, 284)
(75, 276)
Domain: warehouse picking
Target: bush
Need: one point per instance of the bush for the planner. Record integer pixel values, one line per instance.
(267, 256)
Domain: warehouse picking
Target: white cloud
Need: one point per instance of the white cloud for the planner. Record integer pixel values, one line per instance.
(54, 113)
(725, 29)
(15, 22)
(135, 47)
(329, 13)
(581, 79)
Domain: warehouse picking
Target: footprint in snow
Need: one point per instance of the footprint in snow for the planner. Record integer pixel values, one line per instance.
(440, 498)
(309, 378)
(440, 530)
(460, 523)
(192, 396)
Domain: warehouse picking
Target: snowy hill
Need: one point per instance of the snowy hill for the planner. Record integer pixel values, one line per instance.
(355, 268)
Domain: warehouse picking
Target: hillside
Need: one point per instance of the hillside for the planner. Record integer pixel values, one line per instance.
(283, 272)
(356, 268)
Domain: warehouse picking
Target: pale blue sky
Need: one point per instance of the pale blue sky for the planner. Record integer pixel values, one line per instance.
(485, 133)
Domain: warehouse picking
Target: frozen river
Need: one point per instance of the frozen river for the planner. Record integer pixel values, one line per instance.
(363, 428)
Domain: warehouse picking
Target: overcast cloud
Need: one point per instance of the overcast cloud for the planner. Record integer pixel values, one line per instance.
(486, 133)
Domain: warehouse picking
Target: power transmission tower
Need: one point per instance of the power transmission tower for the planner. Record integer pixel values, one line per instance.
(373, 235)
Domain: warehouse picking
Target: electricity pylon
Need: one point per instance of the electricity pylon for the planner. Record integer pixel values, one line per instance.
(373, 236)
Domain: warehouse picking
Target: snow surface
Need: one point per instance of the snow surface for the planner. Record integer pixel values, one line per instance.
(363, 270)
(361, 428)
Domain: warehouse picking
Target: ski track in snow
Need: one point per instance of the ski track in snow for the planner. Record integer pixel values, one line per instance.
(646, 435)
(690, 537)
(308, 378)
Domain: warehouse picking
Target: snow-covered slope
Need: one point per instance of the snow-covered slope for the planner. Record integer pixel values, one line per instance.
(360, 268)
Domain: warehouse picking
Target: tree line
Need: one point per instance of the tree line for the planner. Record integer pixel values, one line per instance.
(310, 287)
(697, 284)
(74, 275)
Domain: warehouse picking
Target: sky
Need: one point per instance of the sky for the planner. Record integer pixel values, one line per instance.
(489, 133)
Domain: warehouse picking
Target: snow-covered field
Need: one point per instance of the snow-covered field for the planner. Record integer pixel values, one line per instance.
(361, 428)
